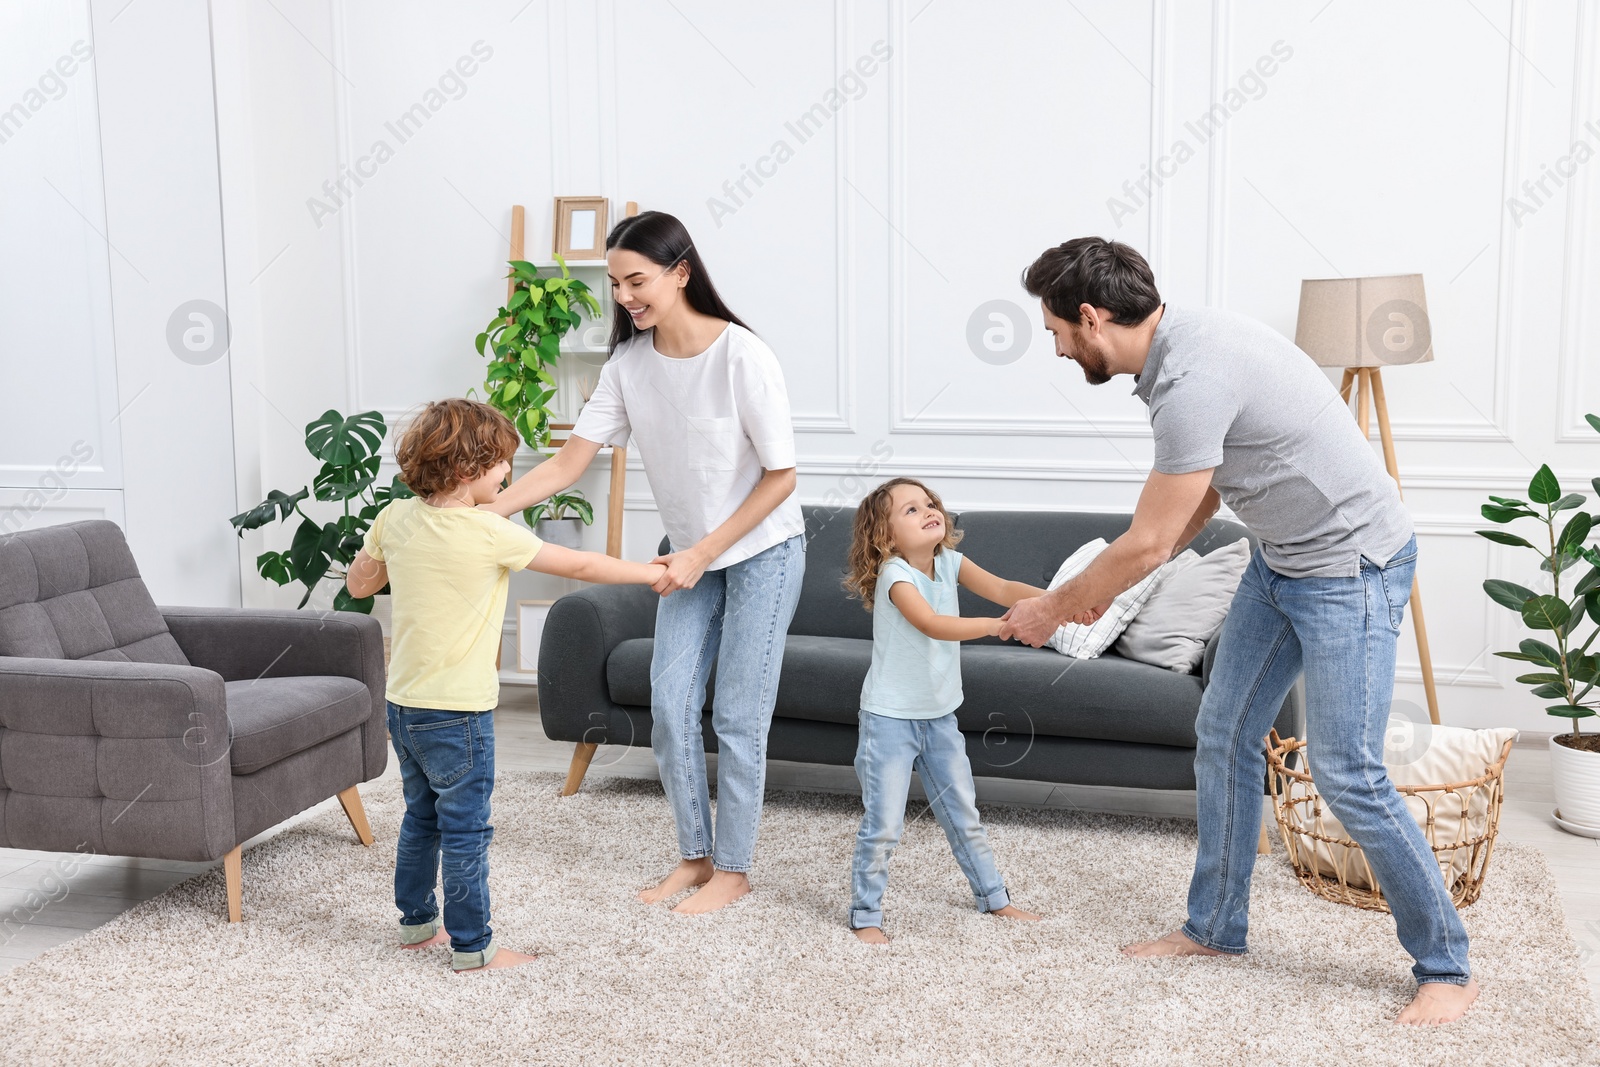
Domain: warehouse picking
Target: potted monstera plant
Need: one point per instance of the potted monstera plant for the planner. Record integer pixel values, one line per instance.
(552, 523)
(1565, 614)
(320, 550)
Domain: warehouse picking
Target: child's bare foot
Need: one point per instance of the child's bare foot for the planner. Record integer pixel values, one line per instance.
(872, 935)
(502, 958)
(723, 889)
(1437, 1003)
(440, 938)
(1174, 944)
(686, 874)
(1013, 912)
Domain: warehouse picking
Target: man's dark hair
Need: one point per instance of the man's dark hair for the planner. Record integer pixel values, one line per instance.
(1094, 271)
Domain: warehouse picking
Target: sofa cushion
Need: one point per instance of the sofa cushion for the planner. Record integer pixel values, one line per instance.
(270, 718)
(73, 592)
(1012, 689)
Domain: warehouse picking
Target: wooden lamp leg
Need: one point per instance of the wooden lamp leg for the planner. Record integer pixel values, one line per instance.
(1264, 845)
(233, 874)
(350, 800)
(582, 753)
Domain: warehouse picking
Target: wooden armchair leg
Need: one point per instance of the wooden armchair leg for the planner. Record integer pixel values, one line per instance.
(582, 753)
(351, 801)
(233, 874)
(1264, 846)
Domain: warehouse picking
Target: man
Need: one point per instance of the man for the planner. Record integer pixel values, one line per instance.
(1242, 416)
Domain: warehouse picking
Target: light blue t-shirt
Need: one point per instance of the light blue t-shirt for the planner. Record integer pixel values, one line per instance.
(914, 676)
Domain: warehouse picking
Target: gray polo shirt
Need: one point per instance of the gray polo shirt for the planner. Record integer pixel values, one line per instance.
(1228, 392)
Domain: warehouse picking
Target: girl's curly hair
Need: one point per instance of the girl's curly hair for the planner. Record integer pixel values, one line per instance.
(453, 441)
(871, 544)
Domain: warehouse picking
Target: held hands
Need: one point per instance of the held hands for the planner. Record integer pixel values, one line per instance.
(679, 570)
(1032, 621)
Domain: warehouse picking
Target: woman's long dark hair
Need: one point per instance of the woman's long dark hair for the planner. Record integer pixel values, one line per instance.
(664, 241)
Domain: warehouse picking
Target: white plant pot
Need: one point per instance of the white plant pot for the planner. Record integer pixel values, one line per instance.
(1577, 784)
(568, 533)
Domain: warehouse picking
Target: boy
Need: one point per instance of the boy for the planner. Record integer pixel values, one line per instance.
(448, 563)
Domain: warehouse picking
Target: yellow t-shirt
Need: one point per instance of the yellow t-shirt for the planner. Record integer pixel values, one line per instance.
(449, 569)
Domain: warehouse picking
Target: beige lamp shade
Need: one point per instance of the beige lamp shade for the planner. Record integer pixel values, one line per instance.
(1364, 322)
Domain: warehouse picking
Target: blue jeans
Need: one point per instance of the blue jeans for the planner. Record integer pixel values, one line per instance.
(744, 611)
(447, 772)
(1342, 633)
(887, 751)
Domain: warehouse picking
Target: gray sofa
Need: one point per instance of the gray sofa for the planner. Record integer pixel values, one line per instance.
(170, 733)
(1029, 713)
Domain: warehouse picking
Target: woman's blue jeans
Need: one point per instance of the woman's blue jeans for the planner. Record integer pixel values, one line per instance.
(447, 774)
(1341, 632)
(737, 616)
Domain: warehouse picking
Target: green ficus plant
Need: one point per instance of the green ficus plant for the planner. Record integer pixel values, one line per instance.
(523, 344)
(1568, 672)
(348, 449)
(558, 506)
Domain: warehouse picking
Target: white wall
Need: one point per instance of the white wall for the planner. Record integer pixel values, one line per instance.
(1387, 138)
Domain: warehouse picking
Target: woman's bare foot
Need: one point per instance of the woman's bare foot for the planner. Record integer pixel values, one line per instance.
(723, 889)
(1174, 944)
(1437, 1003)
(502, 958)
(1013, 912)
(872, 935)
(440, 938)
(686, 874)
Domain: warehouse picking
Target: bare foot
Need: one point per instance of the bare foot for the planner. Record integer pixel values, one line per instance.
(1012, 912)
(872, 935)
(502, 958)
(723, 889)
(440, 938)
(1174, 944)
(686, 874)
(1437, 1003)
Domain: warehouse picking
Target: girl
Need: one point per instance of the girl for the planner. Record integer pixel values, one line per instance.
(704, 399)
(904, 567)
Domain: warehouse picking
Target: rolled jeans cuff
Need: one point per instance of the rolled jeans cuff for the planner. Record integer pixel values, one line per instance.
(994, 901)
(416, 934)
(1445, 979)
(471, 961)
(865, 920)
(1204, 942)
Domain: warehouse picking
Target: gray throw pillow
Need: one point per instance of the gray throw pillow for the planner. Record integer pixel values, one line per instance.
(1185, 609)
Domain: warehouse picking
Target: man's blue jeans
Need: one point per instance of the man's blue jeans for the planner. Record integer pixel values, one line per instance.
(447, 772)
(744, 611)
(887, 751)
(1341, 632)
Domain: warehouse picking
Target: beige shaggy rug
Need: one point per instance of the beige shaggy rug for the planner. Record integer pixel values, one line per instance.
(313, 975)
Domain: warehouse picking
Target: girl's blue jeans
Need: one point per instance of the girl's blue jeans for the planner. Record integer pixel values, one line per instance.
(1341, 632)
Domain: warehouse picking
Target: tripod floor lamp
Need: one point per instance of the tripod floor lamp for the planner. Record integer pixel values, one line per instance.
(1362, 325)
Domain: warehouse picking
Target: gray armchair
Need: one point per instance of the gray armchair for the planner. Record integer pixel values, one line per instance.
(170, 733)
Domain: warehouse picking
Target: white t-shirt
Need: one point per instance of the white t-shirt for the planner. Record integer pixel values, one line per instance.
(705, 425)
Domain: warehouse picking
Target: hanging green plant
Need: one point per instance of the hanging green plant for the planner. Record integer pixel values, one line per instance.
(523, 344)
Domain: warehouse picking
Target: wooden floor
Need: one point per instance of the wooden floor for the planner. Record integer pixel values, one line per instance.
(105, 886)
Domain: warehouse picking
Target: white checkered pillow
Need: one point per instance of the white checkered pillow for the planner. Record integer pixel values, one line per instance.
(1087, 642)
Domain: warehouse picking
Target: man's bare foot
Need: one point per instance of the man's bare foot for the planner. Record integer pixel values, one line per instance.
(1013, 912)
(1174, 944)
(686, 874)
(502, 958)
(440, 938)
(872, 935)
(1437, 1003)
(723, 889)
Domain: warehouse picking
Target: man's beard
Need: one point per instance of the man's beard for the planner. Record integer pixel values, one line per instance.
(1095, 369)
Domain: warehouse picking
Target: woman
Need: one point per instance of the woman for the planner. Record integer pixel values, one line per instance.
(704, 401)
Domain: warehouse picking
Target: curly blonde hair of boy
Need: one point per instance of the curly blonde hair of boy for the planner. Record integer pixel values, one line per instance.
(453, 441)
(871, 544)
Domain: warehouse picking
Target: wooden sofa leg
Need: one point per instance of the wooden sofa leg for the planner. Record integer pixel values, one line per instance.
(351, 801)
(582, 753)
(233, 874)
(1264, 846)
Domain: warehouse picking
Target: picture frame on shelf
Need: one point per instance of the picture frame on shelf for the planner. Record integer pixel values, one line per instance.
(530, 627)
(580, 227)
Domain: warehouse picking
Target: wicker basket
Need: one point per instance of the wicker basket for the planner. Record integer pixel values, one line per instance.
(1331, 865)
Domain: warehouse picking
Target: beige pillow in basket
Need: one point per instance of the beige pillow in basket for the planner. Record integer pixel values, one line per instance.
(1424, 754)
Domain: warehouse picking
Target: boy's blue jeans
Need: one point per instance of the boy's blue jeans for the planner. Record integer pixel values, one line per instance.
(742, 611)
(447, 770)
(887, 751)
(1342, 633)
